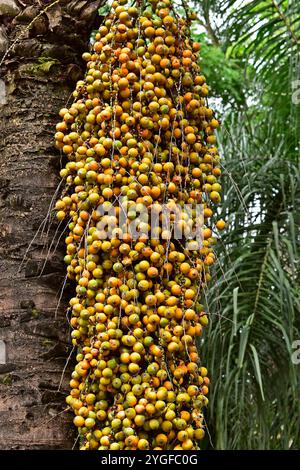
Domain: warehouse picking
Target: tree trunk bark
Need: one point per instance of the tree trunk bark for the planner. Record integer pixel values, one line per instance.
(42, 43)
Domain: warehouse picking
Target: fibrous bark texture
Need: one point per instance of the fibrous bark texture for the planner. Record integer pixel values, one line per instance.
(41, 43)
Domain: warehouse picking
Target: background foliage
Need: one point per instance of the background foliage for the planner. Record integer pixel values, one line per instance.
(250, 55)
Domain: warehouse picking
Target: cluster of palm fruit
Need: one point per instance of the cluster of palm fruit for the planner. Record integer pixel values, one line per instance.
(139, 130)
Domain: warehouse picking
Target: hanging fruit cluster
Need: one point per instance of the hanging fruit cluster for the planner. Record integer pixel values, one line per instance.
(139, 130)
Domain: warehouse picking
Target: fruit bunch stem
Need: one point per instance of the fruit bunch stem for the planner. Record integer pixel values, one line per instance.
(140, 179)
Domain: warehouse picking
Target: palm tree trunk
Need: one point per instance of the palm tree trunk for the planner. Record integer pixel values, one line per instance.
(42, 43)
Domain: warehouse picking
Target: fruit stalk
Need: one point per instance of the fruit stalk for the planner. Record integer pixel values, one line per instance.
(140, 144)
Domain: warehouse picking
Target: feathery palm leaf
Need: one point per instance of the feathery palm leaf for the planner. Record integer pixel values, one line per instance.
(254, 296)
(254, 302)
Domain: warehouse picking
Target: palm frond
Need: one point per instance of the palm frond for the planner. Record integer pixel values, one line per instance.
(254, 304)
(254, 297)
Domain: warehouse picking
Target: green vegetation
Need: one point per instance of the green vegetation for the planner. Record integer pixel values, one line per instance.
(251, 60)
